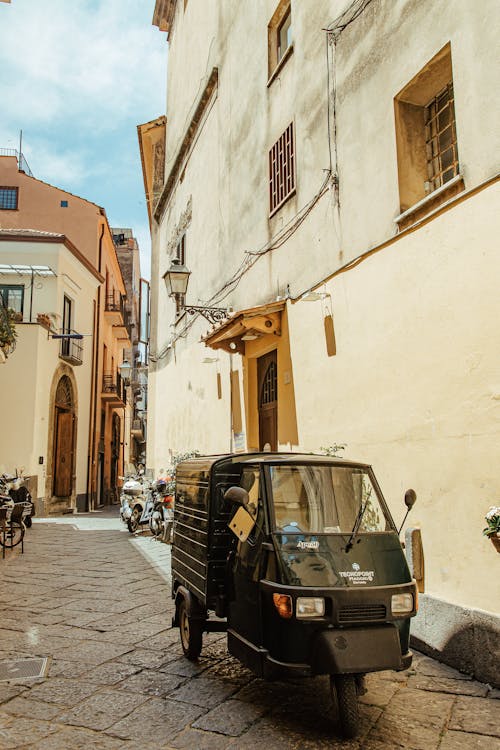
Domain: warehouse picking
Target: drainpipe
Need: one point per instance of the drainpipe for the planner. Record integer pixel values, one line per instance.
(95, 364)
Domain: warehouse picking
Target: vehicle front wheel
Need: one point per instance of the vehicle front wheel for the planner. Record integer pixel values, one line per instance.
(191, 632)
(133, 521)
(344, 690)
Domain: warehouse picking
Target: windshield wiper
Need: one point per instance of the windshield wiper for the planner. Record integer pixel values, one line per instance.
(355, 528)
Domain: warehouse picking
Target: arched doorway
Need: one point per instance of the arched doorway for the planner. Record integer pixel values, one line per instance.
(64, 439)
(267, 374)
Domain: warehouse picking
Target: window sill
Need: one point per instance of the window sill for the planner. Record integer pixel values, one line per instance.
(430, 202)
(280, 65)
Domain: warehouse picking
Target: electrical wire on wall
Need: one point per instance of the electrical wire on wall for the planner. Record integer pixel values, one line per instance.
(334, 29)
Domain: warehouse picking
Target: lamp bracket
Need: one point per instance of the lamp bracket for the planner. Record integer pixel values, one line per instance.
(212, 314)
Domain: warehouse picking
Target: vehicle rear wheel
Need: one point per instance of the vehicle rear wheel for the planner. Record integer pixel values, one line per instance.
(133, 521)
(13, 535)
(344, 689)
(191, 632)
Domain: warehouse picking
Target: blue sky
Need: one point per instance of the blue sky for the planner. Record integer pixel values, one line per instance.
(77, 77)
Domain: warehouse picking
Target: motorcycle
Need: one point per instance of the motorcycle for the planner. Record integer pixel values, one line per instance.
(13, 489)
(136, 501)
(162, 518)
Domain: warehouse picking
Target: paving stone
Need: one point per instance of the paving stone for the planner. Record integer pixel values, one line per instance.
(194, 739)
(230, 669)
(151, 682)
(110, 673)
(445, 685)
(102, 709)
(63, 691)
(379, 691)
(476, 715)
(184, 667)
(463, 741)
(425, 665)
(72, 738)
(230, 718)
(9, 690)
(31, 708)
(156, 721)
(204, 691)
(92, 653)
(141, 657)
(63, 668)
(16, 731)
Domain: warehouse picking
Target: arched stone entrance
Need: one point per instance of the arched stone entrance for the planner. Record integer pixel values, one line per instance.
(61, 453)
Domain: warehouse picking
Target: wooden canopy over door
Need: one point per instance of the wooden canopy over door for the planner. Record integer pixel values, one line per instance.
(267, 376)
(64, 439)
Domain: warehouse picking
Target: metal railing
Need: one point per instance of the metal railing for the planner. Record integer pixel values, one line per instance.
(22, 164)
(113, 383)
(71, 349)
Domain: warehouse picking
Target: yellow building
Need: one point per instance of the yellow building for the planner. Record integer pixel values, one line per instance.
(75, 403)
(327, 185)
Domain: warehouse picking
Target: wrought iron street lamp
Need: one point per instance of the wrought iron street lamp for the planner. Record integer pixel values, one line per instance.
(176, 280)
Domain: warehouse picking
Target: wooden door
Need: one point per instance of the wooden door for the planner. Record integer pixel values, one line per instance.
(267, 374)
(63, 460)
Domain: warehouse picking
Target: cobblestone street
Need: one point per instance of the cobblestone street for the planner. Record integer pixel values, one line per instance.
(96, 602)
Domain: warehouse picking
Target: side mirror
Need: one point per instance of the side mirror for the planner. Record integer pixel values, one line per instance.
(410, 498)
(237, 496)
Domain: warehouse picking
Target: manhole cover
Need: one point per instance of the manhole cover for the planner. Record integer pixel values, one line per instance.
(23, 669)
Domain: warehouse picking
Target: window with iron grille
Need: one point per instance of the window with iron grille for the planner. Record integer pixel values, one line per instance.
(8, 198)
(441, 139)
(282, 170)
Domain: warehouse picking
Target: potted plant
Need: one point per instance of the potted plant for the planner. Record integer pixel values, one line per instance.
(492, 530)
(8, 333)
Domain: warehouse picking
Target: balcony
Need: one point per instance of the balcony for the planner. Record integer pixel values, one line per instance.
(113, 389)
(71, 349)
(117, 314)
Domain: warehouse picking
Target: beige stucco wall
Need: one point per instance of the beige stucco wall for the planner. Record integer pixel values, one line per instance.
(27, 376)
(414, 386)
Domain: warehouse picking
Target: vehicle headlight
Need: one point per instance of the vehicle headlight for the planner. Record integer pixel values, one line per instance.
(402, 604)
(309, 606)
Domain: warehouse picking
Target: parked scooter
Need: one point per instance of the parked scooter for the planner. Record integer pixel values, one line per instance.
(162, 518)
(136, 501)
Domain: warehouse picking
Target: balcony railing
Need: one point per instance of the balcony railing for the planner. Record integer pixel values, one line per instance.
(113, 387)
(118, 313)
(71, 350)
(22, 164)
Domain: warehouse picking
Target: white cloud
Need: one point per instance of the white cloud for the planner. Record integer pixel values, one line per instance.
(93, 61)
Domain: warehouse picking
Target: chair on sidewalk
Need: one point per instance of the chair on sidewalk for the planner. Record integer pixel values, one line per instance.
(12, 530)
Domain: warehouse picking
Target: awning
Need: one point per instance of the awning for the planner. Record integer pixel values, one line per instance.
(246, 325)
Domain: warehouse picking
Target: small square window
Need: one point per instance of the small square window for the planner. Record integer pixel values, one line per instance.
(284, 39)
(279, 36)
(64, 204)
(8, 198)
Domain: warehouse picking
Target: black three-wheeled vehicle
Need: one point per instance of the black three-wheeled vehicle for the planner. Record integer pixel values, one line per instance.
(298, 558)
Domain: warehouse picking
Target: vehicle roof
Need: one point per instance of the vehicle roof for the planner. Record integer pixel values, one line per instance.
(272, 458)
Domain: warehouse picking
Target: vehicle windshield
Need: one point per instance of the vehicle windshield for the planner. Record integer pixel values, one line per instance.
(312, 499)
